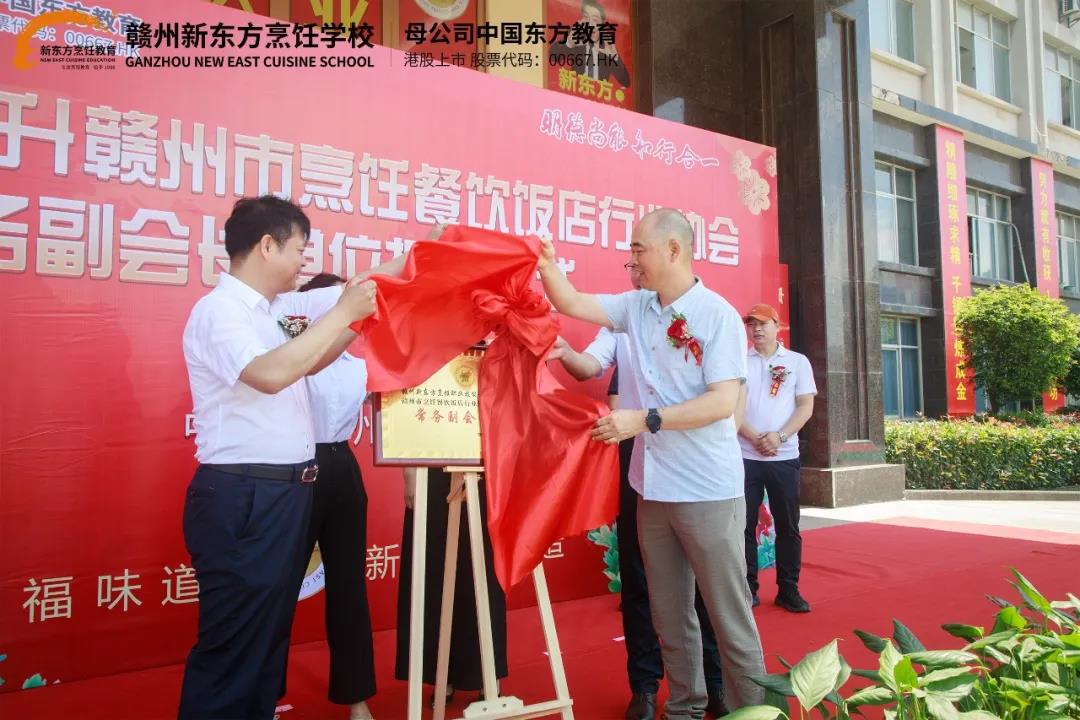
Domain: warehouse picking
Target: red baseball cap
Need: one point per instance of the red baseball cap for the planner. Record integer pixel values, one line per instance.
(763, 313)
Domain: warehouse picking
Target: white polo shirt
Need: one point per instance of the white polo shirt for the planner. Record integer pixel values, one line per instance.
(235, 423)
(766, 412)
(337, 392)
(611, 349)
(703, 464)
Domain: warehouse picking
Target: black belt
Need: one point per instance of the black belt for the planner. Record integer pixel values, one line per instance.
(340, 445)
(302, 472)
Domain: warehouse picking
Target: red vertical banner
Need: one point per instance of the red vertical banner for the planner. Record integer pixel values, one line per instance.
(1046, 250)
(600, 70)
(955, 264)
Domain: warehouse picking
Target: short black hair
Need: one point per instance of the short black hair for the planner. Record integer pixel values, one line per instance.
(322, 280)
(253, 217)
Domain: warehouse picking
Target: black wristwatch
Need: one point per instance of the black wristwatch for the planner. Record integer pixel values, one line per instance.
(652, 420)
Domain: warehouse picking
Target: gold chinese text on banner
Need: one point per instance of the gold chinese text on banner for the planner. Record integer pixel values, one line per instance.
(434, 424)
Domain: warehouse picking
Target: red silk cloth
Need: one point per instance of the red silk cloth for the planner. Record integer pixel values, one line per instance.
(546, 478)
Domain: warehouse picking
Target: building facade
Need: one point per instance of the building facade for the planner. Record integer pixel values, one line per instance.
(926, 148)
(1006, 74)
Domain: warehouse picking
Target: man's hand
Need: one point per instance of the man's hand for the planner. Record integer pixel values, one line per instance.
(558, 350)
(547, 255)
(358, 298)
(619, 425)
(768, 443)
(410, 488)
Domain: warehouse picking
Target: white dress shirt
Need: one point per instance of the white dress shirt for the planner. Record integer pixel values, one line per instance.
(235, 423)
(766, 412)
(337, 392)
(703, 464)
(610, 349)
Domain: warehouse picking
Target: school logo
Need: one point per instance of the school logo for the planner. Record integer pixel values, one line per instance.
(314, 576)
(23, 53)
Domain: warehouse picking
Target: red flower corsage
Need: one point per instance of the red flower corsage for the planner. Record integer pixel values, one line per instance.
(779, 374)
(678, 334)
(293, 325)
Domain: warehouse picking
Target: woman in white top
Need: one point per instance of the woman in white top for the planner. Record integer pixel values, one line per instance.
(339, 525)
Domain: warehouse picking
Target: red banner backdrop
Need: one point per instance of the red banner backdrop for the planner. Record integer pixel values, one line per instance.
(1046, 249)
(955, 263)
(115, 188)
(610, 82)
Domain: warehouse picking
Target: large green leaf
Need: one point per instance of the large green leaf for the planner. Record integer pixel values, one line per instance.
(953, 689)
(943, 658)
(991, 639)
(905, 639)
(873, 695)
(872, 675)
(978, 715)
(887, 662)
(845, 675)
(1032, 686)
(1056, 673)
(873, 643)
(1030, 594)
(777, 701)
(945, 674)
(1072, 639)
(965, 632)
(755, 712)
(815, 675)
(779, 683)
(905, 674)
(1010, 617)
(941, 709)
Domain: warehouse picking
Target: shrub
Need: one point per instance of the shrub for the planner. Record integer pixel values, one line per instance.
(1024, 668)
(1020, 343)
(987, 453)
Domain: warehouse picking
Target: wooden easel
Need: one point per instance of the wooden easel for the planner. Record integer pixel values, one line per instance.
(464, 486)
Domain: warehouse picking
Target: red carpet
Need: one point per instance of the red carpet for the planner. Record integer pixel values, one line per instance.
(855, 576)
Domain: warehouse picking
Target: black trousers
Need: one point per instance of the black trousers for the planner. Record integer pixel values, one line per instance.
(246, 540)
(644, 664)
(780, 478)
(339, 525)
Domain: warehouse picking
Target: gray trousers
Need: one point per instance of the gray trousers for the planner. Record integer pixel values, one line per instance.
(681, 541)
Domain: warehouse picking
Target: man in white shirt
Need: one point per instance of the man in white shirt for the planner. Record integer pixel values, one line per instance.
(780, 392)
(644, 664)
(687, 364)
(247, 507)
(339, 524)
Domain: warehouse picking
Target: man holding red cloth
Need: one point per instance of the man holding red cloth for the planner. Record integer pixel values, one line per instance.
(687, 366)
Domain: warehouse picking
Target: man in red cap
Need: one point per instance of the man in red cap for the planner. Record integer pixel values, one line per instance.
(780, 393)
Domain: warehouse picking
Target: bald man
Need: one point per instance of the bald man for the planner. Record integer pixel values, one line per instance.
(687, 366)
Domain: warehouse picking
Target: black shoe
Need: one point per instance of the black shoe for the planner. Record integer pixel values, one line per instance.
(716, 707)
(754, 600)
(793, 602)
(642, 707)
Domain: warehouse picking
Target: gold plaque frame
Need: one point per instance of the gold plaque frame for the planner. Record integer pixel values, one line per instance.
(436, 423)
